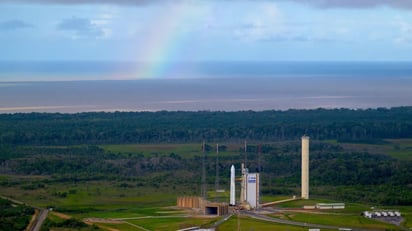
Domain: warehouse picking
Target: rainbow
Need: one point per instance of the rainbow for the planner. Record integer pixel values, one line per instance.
(164, 42)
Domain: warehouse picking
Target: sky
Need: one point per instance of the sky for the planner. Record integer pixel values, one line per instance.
(206, 30)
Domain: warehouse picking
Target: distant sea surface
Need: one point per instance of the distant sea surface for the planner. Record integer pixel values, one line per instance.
(226, 86)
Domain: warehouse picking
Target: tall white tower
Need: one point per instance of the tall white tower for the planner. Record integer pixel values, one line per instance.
(232, 186)
(305, 167)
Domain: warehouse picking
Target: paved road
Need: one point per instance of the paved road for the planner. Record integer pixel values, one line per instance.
(136, 226)
(147, 217)
(221, 221)
(41, 216)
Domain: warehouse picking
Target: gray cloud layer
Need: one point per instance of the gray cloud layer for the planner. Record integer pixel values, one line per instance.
(406, 4)
(82, 27)
(14, 25)
(73, 2)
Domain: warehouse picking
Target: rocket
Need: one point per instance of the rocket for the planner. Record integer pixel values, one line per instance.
(232, 186)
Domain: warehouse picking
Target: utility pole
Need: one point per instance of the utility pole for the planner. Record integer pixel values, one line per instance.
(203, 191)
(245, 153)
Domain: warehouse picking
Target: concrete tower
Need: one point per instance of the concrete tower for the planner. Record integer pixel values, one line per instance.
(305, 167)
(232, 186)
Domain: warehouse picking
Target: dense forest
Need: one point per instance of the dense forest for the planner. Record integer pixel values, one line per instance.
(70, 148)
(335, 172)
(14, 216)
(174, 127)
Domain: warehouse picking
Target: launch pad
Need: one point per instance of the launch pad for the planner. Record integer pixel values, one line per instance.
(249, 189)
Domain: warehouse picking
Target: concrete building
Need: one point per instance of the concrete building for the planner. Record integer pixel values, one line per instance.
(218, 209)
(202, 206)
(305, 167)
(330, 205)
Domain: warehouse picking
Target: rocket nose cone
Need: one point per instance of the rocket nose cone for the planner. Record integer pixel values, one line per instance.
(232, 168)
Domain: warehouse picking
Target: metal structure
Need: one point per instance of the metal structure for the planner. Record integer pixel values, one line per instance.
(243, 184)
(245, 161)
(217, 169)
(203, 190)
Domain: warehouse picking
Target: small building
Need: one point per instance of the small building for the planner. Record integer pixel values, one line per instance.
(203, 206)
(330, 205)
(218, 209)
(309, 207)
(367, 214)
(381, 214)
(378, 214)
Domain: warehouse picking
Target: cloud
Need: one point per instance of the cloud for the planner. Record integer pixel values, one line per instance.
(406, 4)
(267, 23)
(405, 36)
(14, 25)
(73, 2)
(82, 27)
(262, 23)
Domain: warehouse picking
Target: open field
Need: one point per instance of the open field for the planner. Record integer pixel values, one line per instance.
(350, 208)
(185, 150)
(146, 191)
(247, 224)
(95, 199)
(397, 148)
(271, 198)
(336, 219)
(147, 210)
(350, 216)
(171, 223)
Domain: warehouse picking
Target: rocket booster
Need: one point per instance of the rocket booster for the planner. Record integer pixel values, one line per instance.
(232, 186)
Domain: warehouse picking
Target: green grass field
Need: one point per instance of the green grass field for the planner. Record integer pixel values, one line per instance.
(401, 149)
(171, 223)
(350, 208)
(184, 150)
(340, 220)
(120, 198)
(248, 224)
(150, 149)
(397, 148)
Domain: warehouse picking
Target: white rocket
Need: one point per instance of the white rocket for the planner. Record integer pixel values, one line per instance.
(232, 186)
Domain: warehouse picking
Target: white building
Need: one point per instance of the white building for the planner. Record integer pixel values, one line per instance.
(330, 205)
(252, 189)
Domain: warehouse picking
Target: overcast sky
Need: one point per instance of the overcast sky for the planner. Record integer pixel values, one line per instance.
(189, 30)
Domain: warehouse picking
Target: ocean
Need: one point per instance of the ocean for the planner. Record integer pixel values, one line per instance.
(71, 87)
